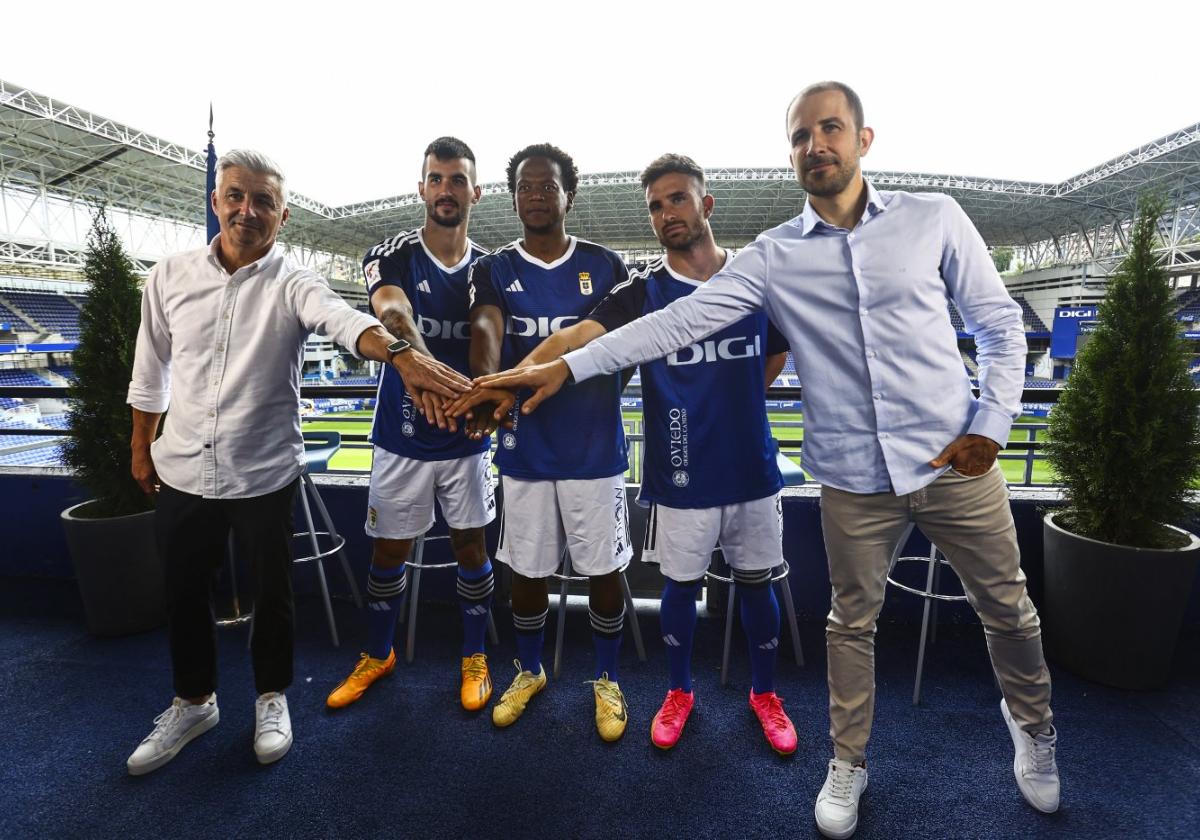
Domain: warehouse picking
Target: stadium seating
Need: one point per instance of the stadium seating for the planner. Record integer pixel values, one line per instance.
(52, 312)
(21, 378)
(7, 316)
(956, 319)
(1032, 322)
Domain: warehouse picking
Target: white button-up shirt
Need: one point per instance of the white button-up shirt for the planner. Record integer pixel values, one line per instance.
(865, 312)
(224, 353)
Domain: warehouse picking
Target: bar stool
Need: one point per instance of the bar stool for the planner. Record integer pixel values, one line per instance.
(793, 476)
(319, 447)
(413, 568)
(936, 561)
(566, 579)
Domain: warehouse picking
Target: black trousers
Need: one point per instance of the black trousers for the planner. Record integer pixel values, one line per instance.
(192, 536)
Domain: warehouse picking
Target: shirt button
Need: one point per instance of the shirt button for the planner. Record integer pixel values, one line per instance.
(214, 414)
(220, 348)
(862, 311)
(870, 354)
(884, 435)
(878, 396)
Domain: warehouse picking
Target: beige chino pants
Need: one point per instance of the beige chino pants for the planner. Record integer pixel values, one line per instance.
(969, 519)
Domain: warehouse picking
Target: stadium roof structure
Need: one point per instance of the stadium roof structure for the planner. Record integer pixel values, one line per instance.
(53, 150)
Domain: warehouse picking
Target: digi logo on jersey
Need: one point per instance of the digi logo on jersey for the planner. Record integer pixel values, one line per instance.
(727, 349)
(432, 328)
(677, 440)
(542, 326)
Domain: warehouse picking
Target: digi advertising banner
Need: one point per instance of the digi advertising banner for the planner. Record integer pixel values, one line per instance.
(1069, 323)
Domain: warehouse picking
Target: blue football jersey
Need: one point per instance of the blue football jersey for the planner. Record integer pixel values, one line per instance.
(708, 442)
(578, 433)
(438, 295)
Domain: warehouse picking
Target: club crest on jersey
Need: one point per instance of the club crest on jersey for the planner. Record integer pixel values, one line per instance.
(680, 478)
(509, 440)
(407, 429)
(371, 272)
(585, 283)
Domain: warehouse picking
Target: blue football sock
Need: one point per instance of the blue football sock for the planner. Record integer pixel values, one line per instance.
(475, 587)
(760, 619)
(530, 632)
(677, 617)
(606, 636)
(385, 596)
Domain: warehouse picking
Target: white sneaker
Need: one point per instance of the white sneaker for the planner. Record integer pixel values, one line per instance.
(180, 723)
(1034, 765)
(272, 727)
(837, 803)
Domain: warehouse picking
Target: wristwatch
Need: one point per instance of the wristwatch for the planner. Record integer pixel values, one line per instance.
(396, 347)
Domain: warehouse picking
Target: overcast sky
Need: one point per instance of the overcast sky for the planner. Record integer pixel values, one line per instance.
(346, 95)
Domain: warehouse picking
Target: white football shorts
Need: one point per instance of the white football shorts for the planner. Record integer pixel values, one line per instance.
(681, 540)
(400, 502)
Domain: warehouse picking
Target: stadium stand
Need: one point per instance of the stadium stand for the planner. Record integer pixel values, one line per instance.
(956, 318)
(1032, 322)
(52, 313)
(969, 363)
(1189, 306)
(1039, 382)
(15, 321)
(21, 378)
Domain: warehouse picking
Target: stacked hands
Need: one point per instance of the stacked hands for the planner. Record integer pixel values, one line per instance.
(443, 395)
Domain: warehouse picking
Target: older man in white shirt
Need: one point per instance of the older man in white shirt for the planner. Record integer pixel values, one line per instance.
(221, 343)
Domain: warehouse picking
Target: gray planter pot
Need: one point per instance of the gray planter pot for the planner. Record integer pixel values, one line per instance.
(120, 577)
(1112, 613)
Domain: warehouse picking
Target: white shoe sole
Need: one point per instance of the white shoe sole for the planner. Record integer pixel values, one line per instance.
(197, 730)
(843, 833)
(1029, 797)
(275, 754)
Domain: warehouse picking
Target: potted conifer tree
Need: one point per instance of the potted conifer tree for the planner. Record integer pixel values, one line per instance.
(1125, 442)
(110, 536)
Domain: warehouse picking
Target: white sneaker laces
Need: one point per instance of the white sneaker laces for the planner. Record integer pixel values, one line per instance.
(1041, 754)
(272, 716)
(841, 782)
(166, 721)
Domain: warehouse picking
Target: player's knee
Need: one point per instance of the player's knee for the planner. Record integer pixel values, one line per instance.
(470, 547)
(388, 554)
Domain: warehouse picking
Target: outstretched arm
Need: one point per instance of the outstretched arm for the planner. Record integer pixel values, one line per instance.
(426, 379)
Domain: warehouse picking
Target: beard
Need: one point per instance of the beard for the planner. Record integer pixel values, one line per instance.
(829, 182)
(444, 221)
(677, 242)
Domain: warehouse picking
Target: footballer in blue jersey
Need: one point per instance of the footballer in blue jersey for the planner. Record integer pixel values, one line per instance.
(709, 468)
(417, 282)
(563, 469)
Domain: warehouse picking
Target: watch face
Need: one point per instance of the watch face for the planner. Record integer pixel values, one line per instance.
(398, 346)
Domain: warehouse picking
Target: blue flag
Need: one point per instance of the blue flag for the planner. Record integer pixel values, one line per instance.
(210, 183)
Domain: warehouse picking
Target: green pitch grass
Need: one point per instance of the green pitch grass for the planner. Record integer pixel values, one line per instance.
(356, 456)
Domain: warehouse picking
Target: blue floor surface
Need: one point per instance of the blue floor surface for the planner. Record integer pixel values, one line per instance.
(406, 761)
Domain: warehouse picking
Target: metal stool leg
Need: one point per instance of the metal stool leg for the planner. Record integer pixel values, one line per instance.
(560, 630)
(728, 632)
(632, 613)
(790, 607)
(333, 535)
(316, 550)
(492, 634)
(937, 583)
(924, 624)
(414, 590)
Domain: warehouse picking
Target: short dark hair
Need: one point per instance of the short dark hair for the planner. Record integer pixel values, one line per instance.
(570, 173)
(448, 148)
(668, 163)
(856, 106)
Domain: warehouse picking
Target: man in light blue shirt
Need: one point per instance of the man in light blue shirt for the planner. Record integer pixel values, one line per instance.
(859, 284)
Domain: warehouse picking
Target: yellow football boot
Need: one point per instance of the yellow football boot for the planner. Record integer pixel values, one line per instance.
(611, 714)
(476, 682)
(513, 702)
(365, 672)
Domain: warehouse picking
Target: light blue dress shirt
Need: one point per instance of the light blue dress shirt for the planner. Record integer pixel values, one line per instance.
(865, 311)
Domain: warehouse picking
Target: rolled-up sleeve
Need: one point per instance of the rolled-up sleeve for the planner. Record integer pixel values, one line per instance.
(727, 296)
(322, 311)
(150, 385)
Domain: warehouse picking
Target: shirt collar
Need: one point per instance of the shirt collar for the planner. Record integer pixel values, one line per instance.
(808, 220)
(266, 260)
